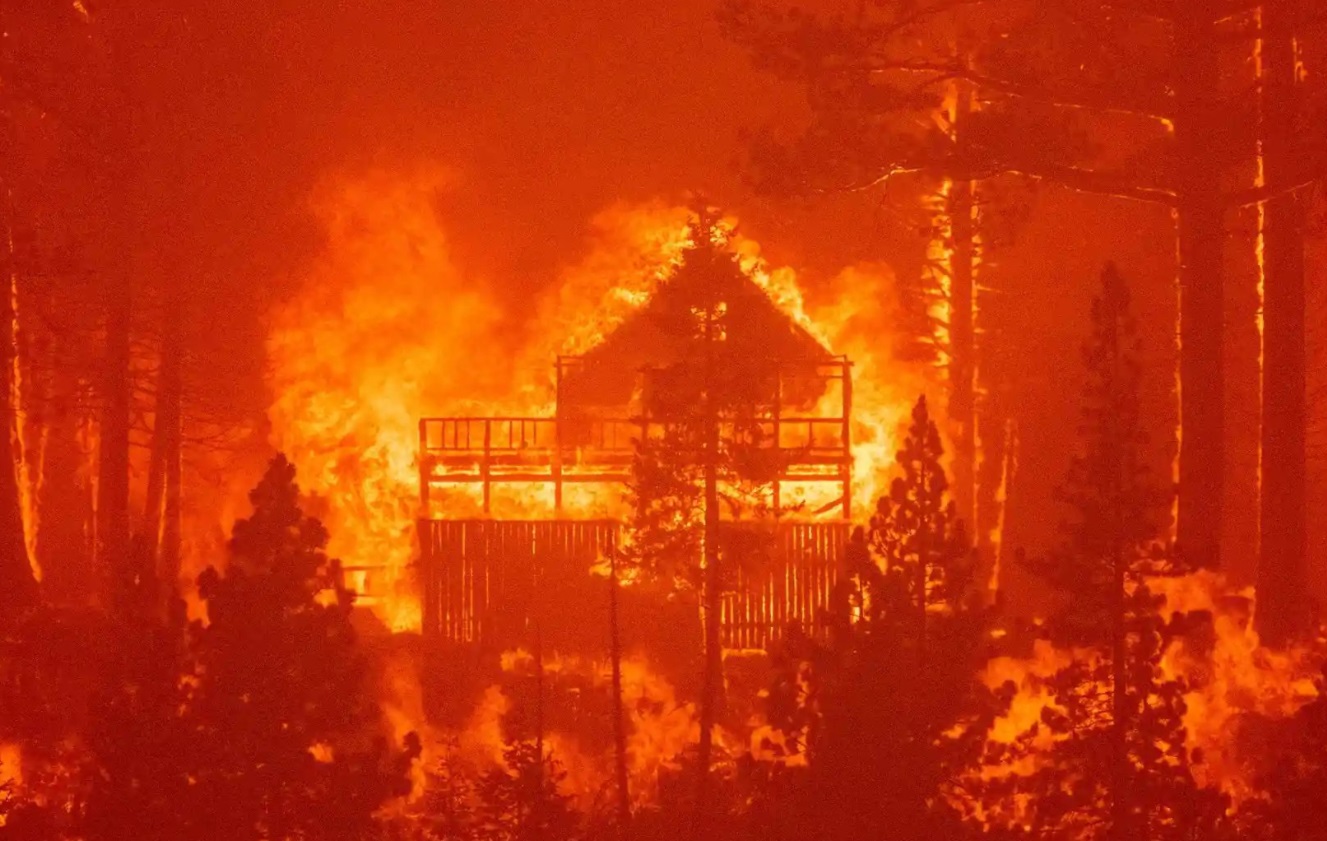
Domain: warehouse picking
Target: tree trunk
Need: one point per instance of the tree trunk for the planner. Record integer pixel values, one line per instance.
(963, 351)
(169, 564)
(113, 440)
(18, 586)
(1202, 307)
(962, 323)
(163, 471)
(1282, 573)
(713, 669)
(1120, 816)
(619, 723)
(1118, 479)
(63, 545)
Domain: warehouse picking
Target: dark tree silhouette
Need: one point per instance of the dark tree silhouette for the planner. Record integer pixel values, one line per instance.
(891, 705)
(1154, 72)
(702, 456)
(1282, 570)
(18, 587)
(138, 741)
(881, 119)
(284, 729)
(449, 811)
(1120, 768)
(522, 800)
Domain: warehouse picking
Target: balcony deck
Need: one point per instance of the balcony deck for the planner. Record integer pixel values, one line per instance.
(493, 450)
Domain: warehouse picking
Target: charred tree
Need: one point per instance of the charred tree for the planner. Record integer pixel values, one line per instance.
(161, 528)
(963, 342)
(619, 717)
(1200, 213)
(18, 587)
(1061, 71)
(113, 435)
(1118, 718)
(1282, 573)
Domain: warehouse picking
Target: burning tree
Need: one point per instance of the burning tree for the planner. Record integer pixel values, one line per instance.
(1120, 767)
(889, 711)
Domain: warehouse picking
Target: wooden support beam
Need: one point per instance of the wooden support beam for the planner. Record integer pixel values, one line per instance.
(484, 466)
(846, 469)
(778, 440)
(423, 470)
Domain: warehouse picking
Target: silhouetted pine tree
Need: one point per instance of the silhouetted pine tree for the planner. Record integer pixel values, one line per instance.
(449, 809)
(1120, 768)
(704, 457)
(285, 733)
(137, 737)
(892, 708)
(522, 800)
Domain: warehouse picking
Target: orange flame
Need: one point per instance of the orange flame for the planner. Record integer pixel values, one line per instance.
(385, 330)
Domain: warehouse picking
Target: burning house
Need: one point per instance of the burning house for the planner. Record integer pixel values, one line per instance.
(711, 373)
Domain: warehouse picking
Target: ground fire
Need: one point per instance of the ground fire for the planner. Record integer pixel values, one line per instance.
(732, 419)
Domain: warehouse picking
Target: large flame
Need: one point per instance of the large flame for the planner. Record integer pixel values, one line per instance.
(1232, 678)
(385, 329)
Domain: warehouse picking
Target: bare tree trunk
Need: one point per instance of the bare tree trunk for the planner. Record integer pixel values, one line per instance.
(18, 586)
(113, 441)
(962, 328)
(1119, 802)
(63, 545)
(1117, 480)
(713, 669)
(1282, 572)
(619, 723)
(169, 562)
(165, 440)
(1201, 235)
(161, 528)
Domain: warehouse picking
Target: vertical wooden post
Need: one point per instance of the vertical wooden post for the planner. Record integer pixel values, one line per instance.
(484, 465)
(778, 449)
(845, 469)
(557, 442)
(423, 469)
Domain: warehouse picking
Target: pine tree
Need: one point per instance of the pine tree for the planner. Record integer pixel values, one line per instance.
(522, 800)
(702, 456)
(1156, 74)
(449, 810)
(137, 736)
(891, 706)
(916, 529)
(285, 731)
(1120, 768)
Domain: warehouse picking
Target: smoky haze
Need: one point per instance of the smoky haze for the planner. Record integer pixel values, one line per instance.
(543, 115)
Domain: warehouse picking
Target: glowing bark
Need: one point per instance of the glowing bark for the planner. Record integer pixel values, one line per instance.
(1282, 576)
(17, 584)
(1201, 238)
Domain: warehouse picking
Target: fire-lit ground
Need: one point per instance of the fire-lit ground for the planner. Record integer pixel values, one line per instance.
(387, 330)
